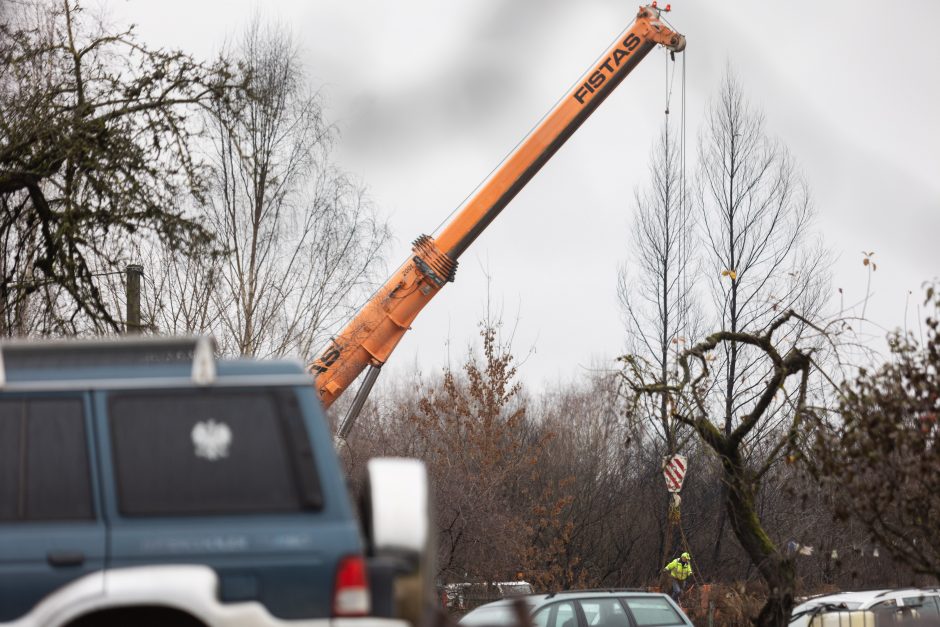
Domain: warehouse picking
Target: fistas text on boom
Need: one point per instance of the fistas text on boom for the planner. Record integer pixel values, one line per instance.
(606, 69)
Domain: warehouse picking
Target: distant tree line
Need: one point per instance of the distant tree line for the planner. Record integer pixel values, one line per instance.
(568, 490)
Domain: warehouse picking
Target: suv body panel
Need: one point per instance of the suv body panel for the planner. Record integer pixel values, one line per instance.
(26, 574)
(39, 556)
(190, 589)
(285, 560)
(282, 563)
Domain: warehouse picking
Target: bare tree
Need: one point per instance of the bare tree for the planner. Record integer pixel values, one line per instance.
(656, 285)
(760, 261)
(743, 470)
(96, 145)
(300, 236)
(659, 303)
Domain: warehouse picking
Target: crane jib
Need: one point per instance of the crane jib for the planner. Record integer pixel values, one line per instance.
(371, 336)
(587, 107)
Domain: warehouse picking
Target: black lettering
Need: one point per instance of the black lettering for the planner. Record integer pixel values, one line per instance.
(582, 93)
(619, 54)
(607, 66)
(631, 42)
(597, 79)
(329, 357)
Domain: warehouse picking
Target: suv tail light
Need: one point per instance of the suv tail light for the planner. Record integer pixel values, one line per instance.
(351, 595)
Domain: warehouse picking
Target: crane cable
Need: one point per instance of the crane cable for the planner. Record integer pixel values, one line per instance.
(685, 213)
(675, 516)
(684, 239)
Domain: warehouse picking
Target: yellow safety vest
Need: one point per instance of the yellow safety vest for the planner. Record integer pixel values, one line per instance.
(679, 570)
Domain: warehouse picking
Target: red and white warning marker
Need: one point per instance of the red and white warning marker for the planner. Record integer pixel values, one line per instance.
(674, 471)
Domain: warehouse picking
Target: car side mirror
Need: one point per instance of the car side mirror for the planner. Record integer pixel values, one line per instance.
(397, 521)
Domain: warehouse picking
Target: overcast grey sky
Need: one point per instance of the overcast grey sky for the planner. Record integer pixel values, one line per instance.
(433, 94)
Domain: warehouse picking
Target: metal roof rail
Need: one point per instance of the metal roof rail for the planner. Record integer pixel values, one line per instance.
(596, 590)
(38, 355)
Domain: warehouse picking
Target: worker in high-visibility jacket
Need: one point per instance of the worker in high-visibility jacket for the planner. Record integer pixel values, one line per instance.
(680, 569)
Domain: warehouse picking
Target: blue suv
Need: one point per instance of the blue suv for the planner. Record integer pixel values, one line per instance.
(144, 483)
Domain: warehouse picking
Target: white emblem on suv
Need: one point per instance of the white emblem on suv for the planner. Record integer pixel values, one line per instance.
(211, 439)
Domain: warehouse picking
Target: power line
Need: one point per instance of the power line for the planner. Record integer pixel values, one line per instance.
(24, 284)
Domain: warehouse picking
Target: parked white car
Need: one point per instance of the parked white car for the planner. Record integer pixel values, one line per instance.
(583, 608)
(870, 608)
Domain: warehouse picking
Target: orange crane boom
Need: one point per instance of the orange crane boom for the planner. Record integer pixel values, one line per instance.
(371, 336)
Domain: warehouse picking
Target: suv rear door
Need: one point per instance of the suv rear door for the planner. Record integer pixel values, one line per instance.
(51, 531)
(227, 478)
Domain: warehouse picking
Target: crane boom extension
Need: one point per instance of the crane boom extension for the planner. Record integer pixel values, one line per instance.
(373, 334)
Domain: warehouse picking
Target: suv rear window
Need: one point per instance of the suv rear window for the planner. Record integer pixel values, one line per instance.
(44, 472)
(195, 452)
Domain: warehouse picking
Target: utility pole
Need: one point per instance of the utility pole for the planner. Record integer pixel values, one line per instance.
(134, 274)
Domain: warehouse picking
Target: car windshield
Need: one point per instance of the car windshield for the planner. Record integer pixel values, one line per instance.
(492, 616)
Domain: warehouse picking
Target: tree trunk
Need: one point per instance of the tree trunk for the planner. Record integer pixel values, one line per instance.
(777, 571)
(722, 515)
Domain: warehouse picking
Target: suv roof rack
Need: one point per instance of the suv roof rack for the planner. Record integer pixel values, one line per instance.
(37, 356)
